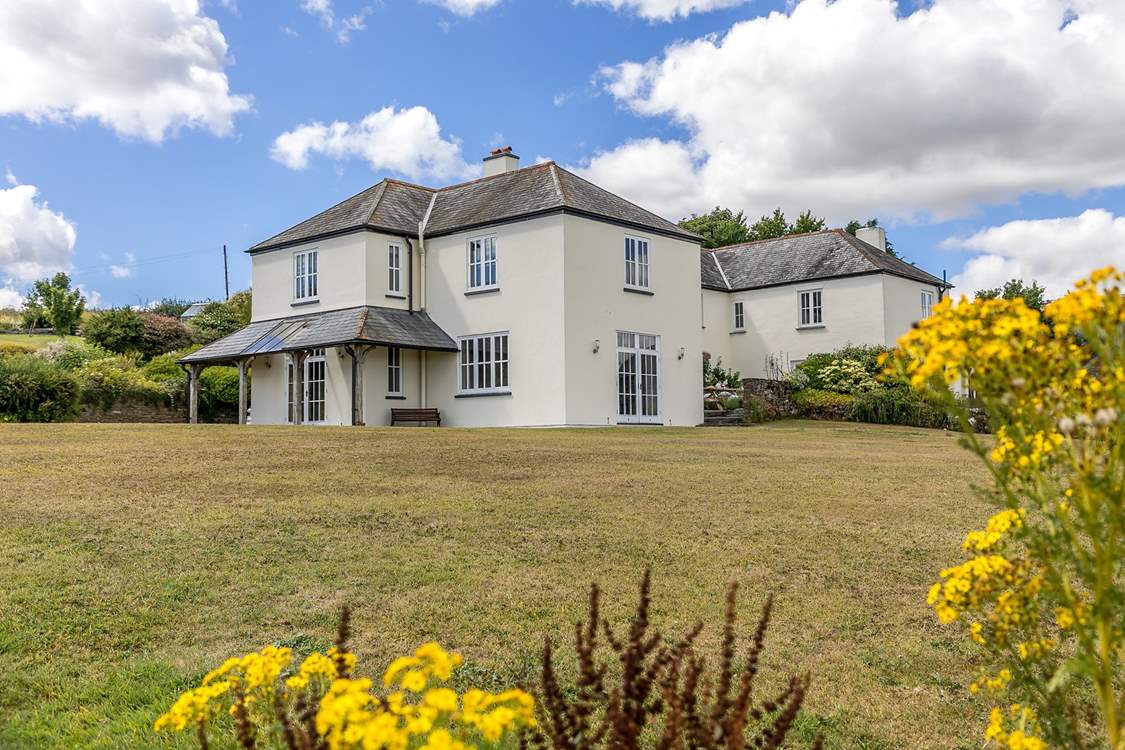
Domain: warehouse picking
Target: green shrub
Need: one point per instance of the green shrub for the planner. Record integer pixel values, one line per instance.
(898, 406)
(34, 390)
(818, 404)
(120, 330)
(860, 358)
(10, 318)
(732, 402)
(161, 334)
(716, 376)
(70, 355)
(218, 389)
(757, 410)
(171, 307)
(846, 376)
(105, 381)
(164, 368)
(220, 319)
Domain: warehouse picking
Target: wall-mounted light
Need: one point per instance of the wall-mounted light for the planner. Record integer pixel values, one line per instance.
(597, 345)
(682, 352)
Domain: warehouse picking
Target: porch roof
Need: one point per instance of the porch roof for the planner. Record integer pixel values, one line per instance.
(380, 326)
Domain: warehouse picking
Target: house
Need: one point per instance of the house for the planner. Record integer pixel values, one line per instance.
(529, 297)
(192, 311)
(767, 305)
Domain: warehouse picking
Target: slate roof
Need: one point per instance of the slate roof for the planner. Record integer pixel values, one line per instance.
(398, 207)
(796, 258)
(381, 326)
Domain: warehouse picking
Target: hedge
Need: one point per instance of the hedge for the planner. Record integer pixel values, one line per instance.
(33, 390)
(818, 404)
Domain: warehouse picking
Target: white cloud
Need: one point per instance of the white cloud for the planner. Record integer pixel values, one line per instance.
(664, 10)
(143, 68)
(407, 141)
(1054, 252)
(464, 7)
(846, 108)
(343, 26)
(93, 298)
(126, 270)
(34, 240)
(10, 298)
(10, 178)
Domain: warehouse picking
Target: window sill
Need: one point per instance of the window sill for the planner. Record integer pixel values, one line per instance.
(640, 424)
(303, 302)
(638, 290)
(485, 290)
(483, 395)
(810, 327)
(396, 295)
(737, 331)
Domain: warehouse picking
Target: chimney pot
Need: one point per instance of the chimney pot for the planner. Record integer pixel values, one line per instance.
(500, 160)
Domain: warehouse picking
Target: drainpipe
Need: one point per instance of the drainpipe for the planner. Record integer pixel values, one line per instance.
(409, 275)
(422, 259)
(351, 353)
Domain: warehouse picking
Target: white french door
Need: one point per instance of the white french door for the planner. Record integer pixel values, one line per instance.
(315, 389)
(638, 378)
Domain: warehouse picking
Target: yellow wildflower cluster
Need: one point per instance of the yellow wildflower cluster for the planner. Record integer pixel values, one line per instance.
(992, 684)
(1052, 386)
(420, 712)
(999, 525)
(1015, 730)
(999, 590)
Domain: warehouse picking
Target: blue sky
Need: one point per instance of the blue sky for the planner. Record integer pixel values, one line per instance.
(846, 108)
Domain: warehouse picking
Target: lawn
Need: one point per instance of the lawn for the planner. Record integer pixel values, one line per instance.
(33, 341)
(134, 558)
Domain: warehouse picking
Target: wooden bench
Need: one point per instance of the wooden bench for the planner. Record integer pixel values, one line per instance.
(419, 416)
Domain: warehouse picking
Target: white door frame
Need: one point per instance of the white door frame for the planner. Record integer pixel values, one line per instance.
(636, 353)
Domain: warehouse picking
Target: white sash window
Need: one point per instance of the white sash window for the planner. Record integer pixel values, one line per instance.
(305, 276)
(394, 372)
(482, 263)
(483, 366)
(636, 263)
(394, 269)
(810, 308)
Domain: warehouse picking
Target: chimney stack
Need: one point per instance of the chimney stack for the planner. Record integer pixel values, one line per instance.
(501, 160)
(876, 236)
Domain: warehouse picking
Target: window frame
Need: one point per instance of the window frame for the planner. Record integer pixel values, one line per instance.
(642, 270)
(301, 291)
(395, 372)
(470, 361)
(927, 303)
(815, 308)
(486, 241)
(394, 270)
(739, 314)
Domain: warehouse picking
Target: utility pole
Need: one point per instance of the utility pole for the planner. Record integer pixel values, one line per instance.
(226, 273)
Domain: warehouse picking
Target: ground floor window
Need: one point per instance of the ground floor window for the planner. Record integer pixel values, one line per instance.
(484, 363)
(394, 372)
(315, 388)
(638, 377)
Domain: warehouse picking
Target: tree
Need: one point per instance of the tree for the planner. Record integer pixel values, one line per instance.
(119, 329)
(719, 228)
(1034, 296)
(219, 319)
(54, 302)
(173, 307)
(855, 225)
(775, 225)
(770, 227)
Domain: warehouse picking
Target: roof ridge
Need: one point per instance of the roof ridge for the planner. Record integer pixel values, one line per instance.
(722, 273)
(362, 321)
(378, 200)
(557, 181)
(770, 239)
(881, 259)
(410, 184)
(494, 176)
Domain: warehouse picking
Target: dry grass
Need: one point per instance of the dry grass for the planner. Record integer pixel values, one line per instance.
(136, 557)
(32, 341)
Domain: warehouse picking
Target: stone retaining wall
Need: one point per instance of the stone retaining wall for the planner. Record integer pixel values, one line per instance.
(774, 393)
(135, 411)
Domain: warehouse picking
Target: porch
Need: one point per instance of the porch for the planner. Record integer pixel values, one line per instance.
(357, 331)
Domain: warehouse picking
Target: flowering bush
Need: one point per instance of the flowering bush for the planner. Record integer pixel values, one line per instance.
(265, 699)
(1042, 588)
(847, 376)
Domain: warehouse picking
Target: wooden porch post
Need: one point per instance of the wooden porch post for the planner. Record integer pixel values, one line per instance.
(193, 394)
(298, 359)
(242, 365)
(359, 355)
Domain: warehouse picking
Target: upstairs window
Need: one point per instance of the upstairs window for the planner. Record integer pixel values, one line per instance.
(484, 364)
(394, 269)
(636, 263)
(739, 316)
(482, 263)
(394, 371)
(305, 285)
(927, 303)
(811, 311)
